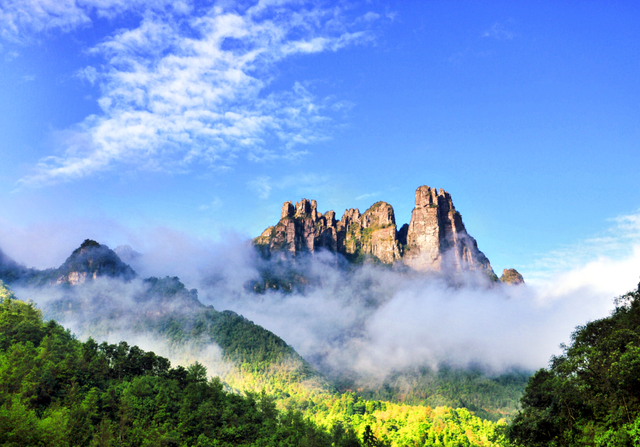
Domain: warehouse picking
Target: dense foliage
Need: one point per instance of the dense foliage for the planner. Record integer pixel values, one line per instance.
(247, 358)
(590, 395)
(487, 396)
(55, 390)
(407, 425)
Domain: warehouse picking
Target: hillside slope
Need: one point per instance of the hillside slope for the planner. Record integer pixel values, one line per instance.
(590, 395)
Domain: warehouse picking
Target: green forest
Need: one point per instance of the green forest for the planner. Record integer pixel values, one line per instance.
(589, 395)
(57, 390)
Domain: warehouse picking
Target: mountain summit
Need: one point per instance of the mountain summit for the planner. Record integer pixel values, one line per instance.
(435, 239)
(91, 260)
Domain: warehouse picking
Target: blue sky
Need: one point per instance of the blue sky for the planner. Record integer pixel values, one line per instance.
(120, 118)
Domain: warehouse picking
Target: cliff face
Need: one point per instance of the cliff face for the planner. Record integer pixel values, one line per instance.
(435, 238)
(303, 229)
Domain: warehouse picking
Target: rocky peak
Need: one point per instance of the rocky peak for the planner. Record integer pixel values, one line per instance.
(437, 238)
(91, 260)
(426, 196)
(330, 217)
(511, 277)
(303, 208)
(379, 215)
(434, 239)
(287, 210)
(350, 215)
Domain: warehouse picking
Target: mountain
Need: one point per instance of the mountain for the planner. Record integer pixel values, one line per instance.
(91, 260)
(11, 271)
(100, 296)
(511, 276)
(434, 239)
(104, 299)
(57, 390)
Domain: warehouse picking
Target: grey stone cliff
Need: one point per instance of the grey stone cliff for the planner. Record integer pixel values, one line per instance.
(435, 239)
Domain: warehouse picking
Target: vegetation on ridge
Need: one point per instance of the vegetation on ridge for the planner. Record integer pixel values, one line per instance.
(58, 391)
(590, 395)
(55, 390)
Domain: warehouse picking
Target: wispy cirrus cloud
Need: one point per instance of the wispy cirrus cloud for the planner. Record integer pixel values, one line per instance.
(367, 195)
(183, 88)
(23, 21)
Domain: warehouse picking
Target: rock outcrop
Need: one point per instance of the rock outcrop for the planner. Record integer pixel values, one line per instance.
(511, 277)
(435, 239)
(303, 229)
(90, 261)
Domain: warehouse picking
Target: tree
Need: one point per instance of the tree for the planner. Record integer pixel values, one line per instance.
(590, 395)
(368, 438)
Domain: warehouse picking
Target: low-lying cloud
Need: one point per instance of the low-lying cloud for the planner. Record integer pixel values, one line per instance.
(110, 310)
(370, 321)
(374, 320)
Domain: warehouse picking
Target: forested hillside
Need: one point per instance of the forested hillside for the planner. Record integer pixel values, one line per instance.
(590, 395)
(492, 397)
(57, 390)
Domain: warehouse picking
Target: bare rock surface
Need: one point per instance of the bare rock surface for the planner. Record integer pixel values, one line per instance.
(434, 239)
(511, 277)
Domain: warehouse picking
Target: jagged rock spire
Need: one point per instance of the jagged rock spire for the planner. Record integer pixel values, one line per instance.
(434, 239)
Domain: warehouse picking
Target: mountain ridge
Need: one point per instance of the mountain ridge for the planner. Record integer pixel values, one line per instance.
(434, 240)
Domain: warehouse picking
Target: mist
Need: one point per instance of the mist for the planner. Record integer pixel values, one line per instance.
(372, 320)
(367, 321)
(111, 310)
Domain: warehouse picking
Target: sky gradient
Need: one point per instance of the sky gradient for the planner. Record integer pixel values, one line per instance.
(123, 120)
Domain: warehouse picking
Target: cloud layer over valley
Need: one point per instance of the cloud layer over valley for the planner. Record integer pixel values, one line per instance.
(370, 321)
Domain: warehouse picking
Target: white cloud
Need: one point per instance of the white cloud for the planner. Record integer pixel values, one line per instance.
(372, 319)
(11, 55)
(620, 241)
(261, 186)
(371, 16)
(22, 21)
(89, 74)
(368, 195)
(19, 19)
(215, 204)
(181, 89)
